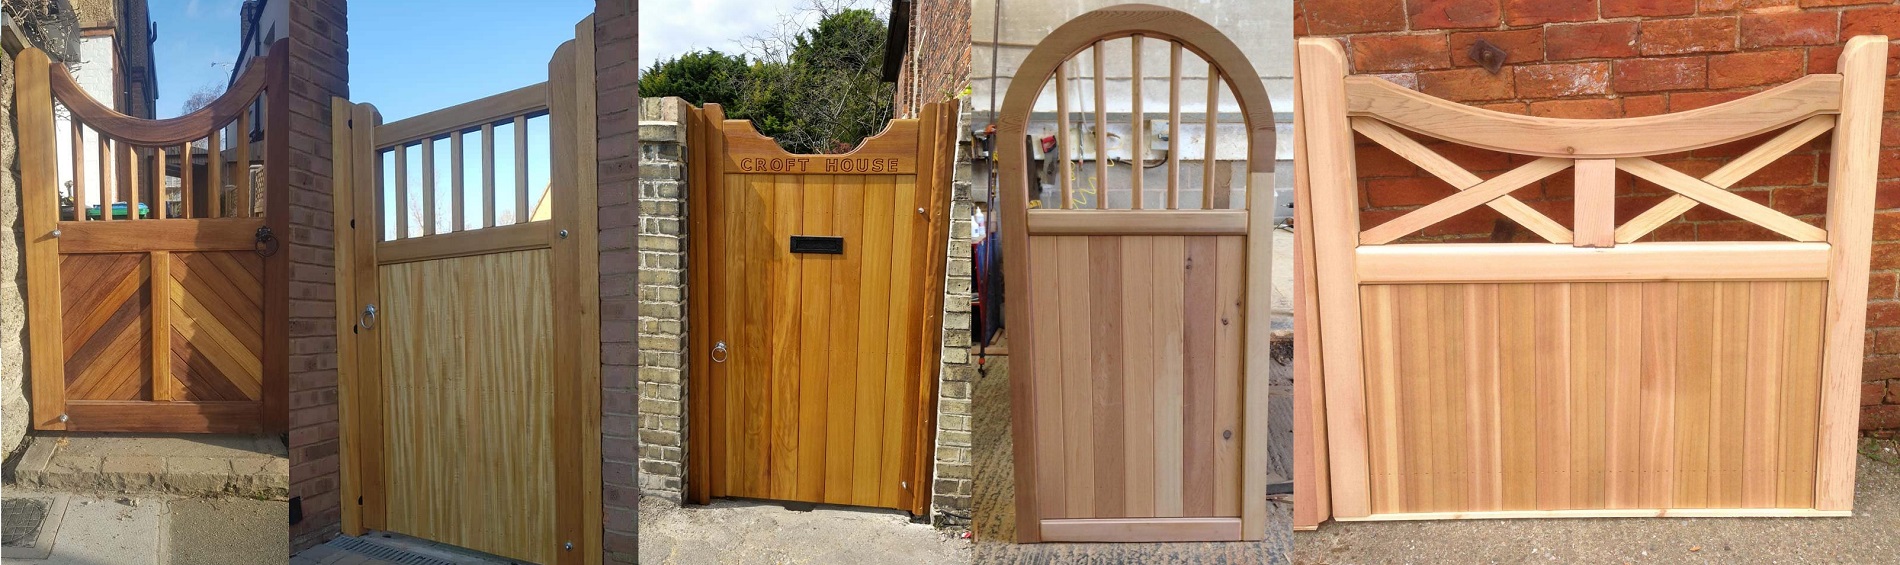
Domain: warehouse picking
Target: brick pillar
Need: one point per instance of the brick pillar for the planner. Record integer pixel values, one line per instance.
(616, 71)
(319, 69)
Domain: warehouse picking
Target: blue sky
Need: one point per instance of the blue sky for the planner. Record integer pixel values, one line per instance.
(407, 56)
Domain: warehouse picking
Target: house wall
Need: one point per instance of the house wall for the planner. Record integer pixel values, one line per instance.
(938, 64)
(616, 77)
(1629, 58)
(320, 69)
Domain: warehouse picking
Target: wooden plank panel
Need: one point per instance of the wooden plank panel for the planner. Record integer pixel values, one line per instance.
(1589, 357)
(900, 377)
(1623, 397)
(1517, 363)
(1761, 444)
(1169, 333)
(1801, 393)
(1553, 397)
(874, 324)
(845, 286)
(1455, 382)
(815, 369)
(1658, 456)
(1416, 453)
(753, 389)
(1695, 359)
(1139, 350)
(782, 337)
(1046, 321)
(1105, 382)
(1727, 421)
(1229, 323)
(170, 417)
(1483, 416)
(1078, 428)
(1382, 421)
(1201, 298)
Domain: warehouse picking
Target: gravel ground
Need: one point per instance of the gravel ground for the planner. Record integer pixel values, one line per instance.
(743, 531)
(1872, 535)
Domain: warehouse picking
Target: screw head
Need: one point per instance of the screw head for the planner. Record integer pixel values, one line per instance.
(568, 546)
(55, 233)
(563, 234)
(62, 418)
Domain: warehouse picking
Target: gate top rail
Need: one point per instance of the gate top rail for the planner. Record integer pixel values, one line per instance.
(170, 131)
(524, 103)
(891, 151)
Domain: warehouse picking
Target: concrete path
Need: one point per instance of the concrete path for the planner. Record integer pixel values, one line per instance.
(187, 464)
(1872, 535)
(158, 530)
(738, 531)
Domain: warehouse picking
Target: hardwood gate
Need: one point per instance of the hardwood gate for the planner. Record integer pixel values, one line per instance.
(1139, 334)
(469, 381)
(818, 292)
(161, 307)
(1594, 375)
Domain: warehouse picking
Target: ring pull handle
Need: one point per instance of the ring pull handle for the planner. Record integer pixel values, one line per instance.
(367, 319)
(719, 352)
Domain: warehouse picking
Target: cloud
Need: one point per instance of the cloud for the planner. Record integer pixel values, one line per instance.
(669, 28)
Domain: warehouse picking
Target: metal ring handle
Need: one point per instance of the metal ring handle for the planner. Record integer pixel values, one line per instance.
(367, 319)
(719, 352)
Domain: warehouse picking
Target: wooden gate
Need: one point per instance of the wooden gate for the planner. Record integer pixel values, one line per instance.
(1593, 375)
(818, 295)
(469, 381)
(1139, 334)
(154, 306)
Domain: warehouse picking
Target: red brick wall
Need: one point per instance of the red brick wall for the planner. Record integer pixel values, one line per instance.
(319, 69)
(939, 63)
(616, 81)
(1628, 58)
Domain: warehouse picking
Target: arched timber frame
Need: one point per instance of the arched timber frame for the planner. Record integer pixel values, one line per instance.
(167, 315)
(1601, 375)
(1142, 508)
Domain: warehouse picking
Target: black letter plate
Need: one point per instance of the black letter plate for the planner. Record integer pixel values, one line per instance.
(828, 245)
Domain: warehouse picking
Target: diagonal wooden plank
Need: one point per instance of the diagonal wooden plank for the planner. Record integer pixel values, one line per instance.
(1459, 178)
(1721, 199)
(204, 377)
(87, 309)
(192, 325)
(217, 305)
(1730, 173)
(97, 368)
(242, 269)
(1469, 198)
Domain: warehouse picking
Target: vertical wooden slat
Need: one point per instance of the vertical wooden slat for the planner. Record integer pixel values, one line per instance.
(428, 187)
(108, 177)
(1761, 444)
(905, 223)
(164, 386)
(1208, 164)
(488, 175)
(848, 222)
(1518, 377)
(1170, 260)
(1695, 357)
(874, 325)
(1553, 396)
(1174, 125)
(1596, 203)
(455, 182)
(140, 178)
(366, 230)
(782, 338)
(1727, 420)
(1623, 397)
(276, 350)
(1382, 425)
(1064, 175)
(214, 174)
(1046, 282)
(1202, 306)
(1138, 141)
(349, 380)
(1589, 369)
(241, 172)
(39, 211)
(79, 169)
(1229, 322)
(1801, 370)
(815, 369)
(1413, 355)
(1483, 416)
(522, 213)
(1453, 384)
(1106, 375)
(1139, 349)
(1853, 167)
(1658, 456)
(401, 209)
(1101, 128)
(1072, 255)
(187, 202)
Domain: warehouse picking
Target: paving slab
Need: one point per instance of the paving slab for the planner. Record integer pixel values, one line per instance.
(187, 464)
(228, 531)
(97, 530)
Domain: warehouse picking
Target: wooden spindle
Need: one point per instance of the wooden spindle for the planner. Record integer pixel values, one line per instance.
(1139, 143)
(108, 177)
(1212, 124)
(455, 182)
(185, 177)
(428, 187)
(1174, 126)
(1101, 132)
(241, 170)
(1062, 136)
(522, 213)
(79, 170)
(135, 162)
(488, 175)
(214, 174)
(159, 196)
(401, 156)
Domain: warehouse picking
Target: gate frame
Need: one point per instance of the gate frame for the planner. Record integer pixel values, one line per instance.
(1331, 275)
(572, 236)
(40, 83)
(1042, 63)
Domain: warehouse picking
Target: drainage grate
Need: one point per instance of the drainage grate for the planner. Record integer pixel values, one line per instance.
(383, 552)
(22, 518)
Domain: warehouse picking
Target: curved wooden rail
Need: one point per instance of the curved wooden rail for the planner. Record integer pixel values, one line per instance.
(170, 131)
(891, 151)
(1756, 114)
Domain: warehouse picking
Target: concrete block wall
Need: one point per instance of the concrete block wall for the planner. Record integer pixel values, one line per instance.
(1630, 58)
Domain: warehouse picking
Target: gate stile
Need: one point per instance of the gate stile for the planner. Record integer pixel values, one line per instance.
(168, 319)
(1601, 376)
(469, 380)
(1191, 463)
(814, 368)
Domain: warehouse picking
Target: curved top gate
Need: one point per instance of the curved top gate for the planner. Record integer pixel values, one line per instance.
(155, 292)
(1139, 383)
(1597, 374)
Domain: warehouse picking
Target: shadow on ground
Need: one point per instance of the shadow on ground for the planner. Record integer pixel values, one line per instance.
(994, 521)
(1872, 535)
